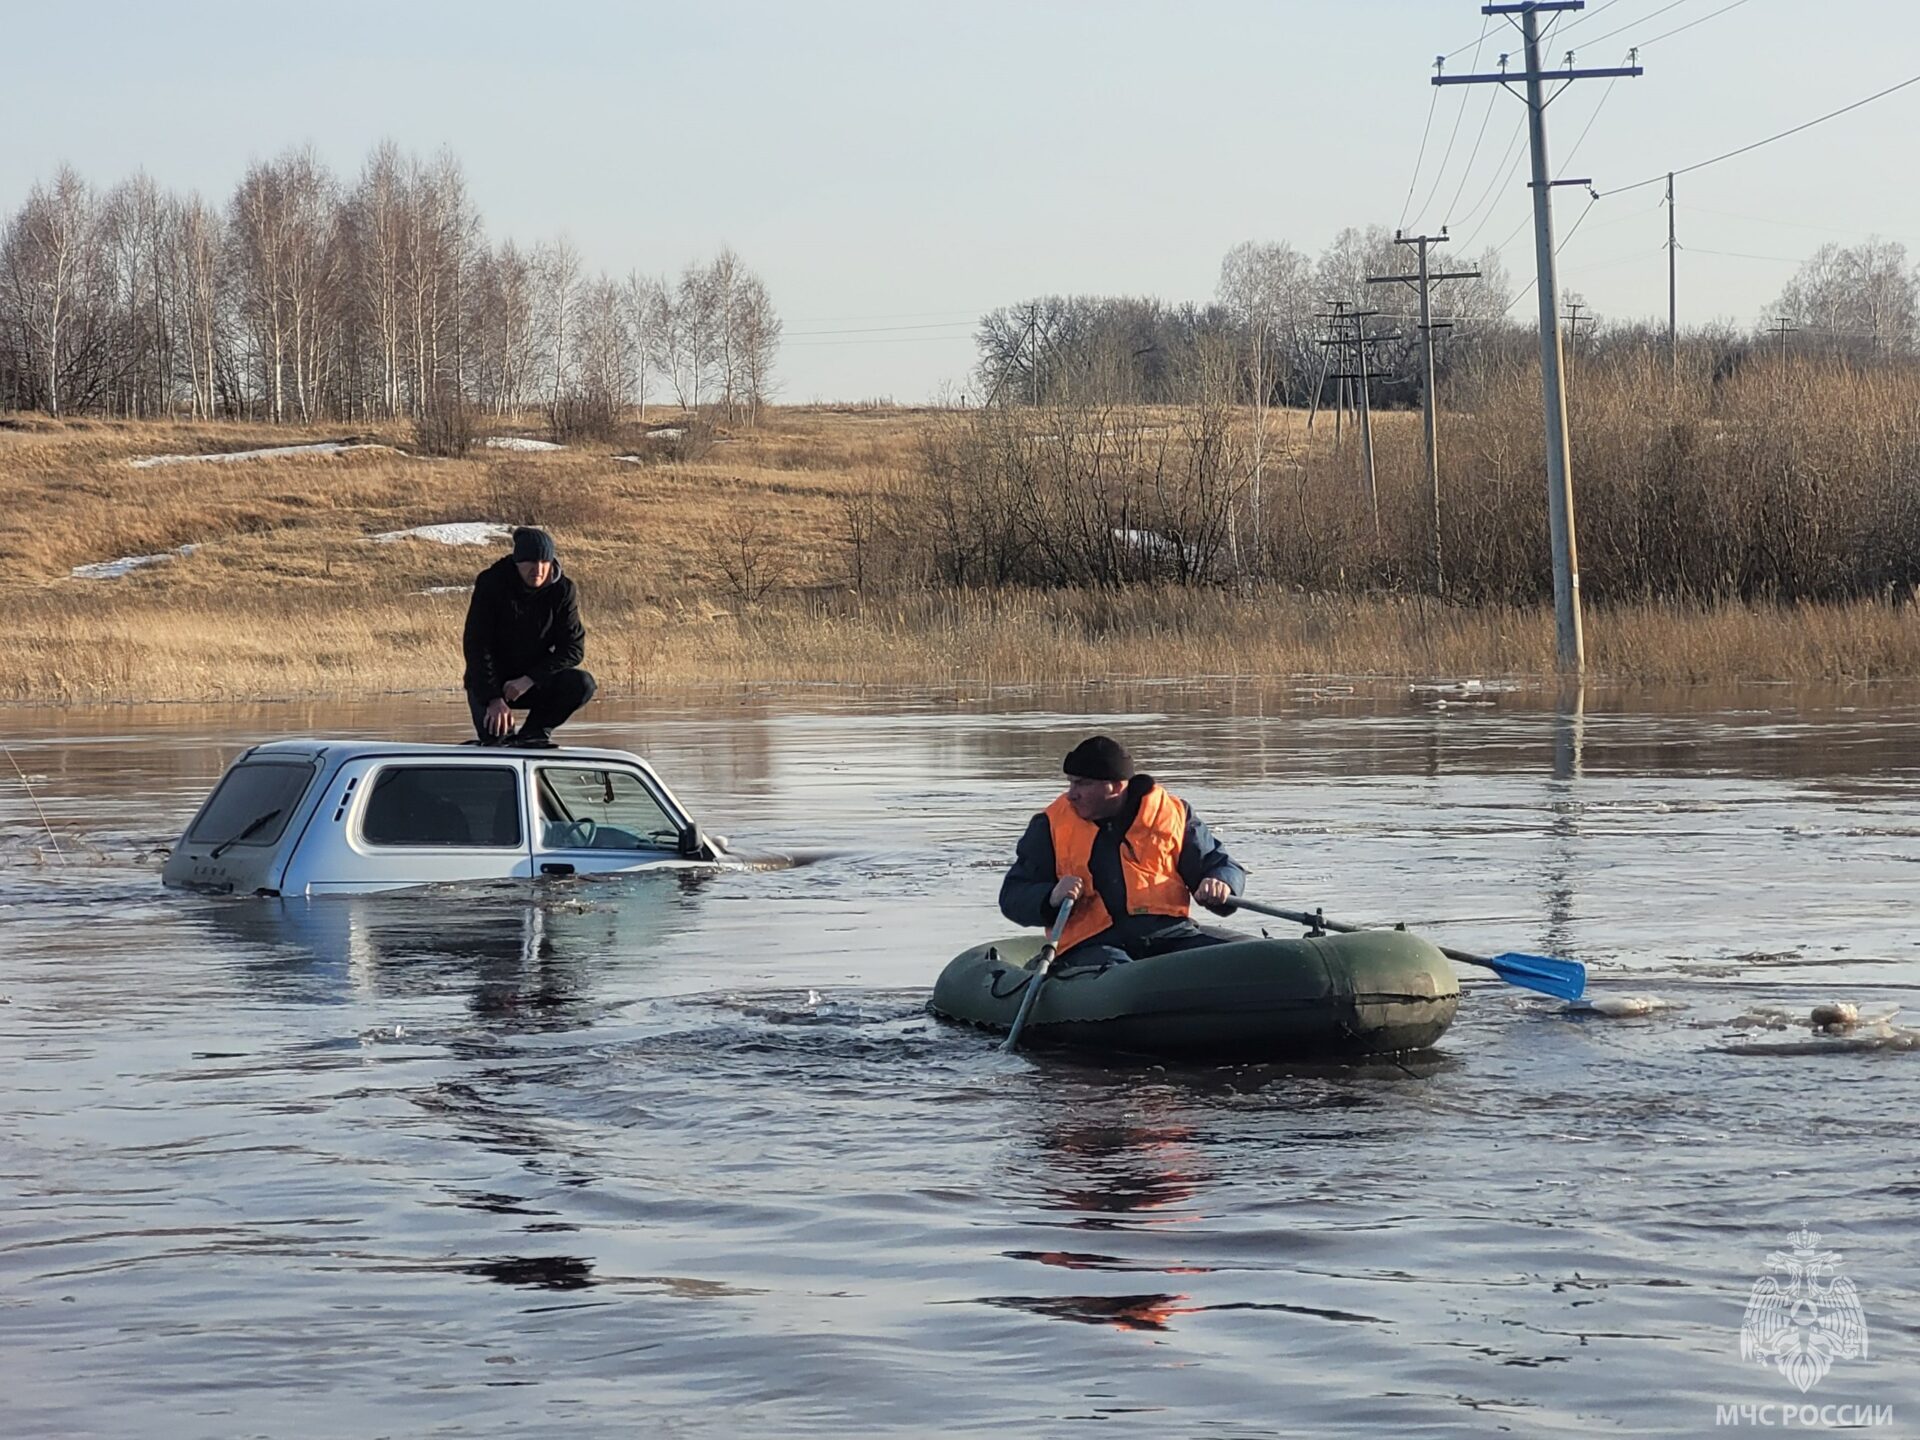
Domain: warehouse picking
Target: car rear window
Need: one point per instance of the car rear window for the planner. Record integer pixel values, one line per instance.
(444, 805)
(253, 804)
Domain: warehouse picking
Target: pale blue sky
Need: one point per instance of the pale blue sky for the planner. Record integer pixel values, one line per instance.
(910, 164)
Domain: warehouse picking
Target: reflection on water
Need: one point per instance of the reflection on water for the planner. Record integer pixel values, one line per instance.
(1105, 1168)
(523, 954)
(685, 1154)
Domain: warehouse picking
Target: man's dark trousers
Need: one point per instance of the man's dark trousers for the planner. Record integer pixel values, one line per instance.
(548, 704)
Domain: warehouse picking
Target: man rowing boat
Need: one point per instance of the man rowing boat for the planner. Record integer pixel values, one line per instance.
(1128, 854)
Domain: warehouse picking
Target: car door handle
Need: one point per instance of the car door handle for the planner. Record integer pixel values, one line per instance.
(556, 867)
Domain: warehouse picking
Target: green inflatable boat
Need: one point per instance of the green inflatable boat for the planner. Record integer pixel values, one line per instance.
(1372, 992)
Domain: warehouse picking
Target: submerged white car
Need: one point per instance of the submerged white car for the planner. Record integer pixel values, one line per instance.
(325, 817)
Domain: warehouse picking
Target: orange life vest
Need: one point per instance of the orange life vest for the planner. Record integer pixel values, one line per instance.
(1149, 863)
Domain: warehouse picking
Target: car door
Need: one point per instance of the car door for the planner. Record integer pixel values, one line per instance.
(402, 820)
(592, 817)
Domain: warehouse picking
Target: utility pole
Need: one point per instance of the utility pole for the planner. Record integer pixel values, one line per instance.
(1568, 645)
(1332, 317)
(1783, 327)
(1575, 319)
(1673, 291)
(1358, 340)
(1033, 360)
(1032, 347)
(1424, 279)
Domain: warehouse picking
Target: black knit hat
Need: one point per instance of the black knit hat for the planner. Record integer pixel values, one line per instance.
(532, 544)
(1098, 758)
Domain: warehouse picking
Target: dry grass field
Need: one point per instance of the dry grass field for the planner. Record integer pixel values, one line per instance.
(728, 562)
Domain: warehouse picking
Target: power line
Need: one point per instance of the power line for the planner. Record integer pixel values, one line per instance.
(1565, 240)
(1453, 134)
(1579, 220)
(955, 315)
(1587, 269)
(1499, 181)
(1475, 155)
(880, 340)
(1597, 10)
(1855, 231)
(1743, 255)
(1808, 125)
(1567, 159)
(1420, 159)
(881, 329)
(1674, 5)
(1691, 23)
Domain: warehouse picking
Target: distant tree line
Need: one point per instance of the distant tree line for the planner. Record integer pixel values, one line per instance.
(1265, 324)
(305, 298)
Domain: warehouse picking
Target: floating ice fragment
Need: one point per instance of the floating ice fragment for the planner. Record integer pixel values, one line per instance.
(1619, 1007)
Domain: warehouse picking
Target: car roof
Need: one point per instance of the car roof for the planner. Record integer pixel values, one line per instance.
(314, 748)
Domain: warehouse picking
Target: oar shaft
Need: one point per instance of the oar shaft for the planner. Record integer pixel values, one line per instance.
(1320, 922)
(1040, 969)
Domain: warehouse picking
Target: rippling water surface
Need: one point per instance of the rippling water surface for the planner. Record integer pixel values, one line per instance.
(686, 1156)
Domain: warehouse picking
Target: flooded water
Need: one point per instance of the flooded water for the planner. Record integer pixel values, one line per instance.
(687, 1156)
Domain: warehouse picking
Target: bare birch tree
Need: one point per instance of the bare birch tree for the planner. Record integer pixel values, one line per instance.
(45, 262)
(556, 269)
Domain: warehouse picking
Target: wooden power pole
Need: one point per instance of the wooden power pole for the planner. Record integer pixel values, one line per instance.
(1568, 644)
(1673, 292)
(1424, 279)
(1783, 327)
(1350, 333)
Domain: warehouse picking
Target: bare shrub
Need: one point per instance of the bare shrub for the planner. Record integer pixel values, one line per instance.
(1081, 495)
(680, 442)
(446, 427)
(590, 417)
(861, 517)
(549, 492)
(749, 559)
(517, 493)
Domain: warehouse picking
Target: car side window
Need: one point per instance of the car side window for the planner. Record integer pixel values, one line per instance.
(598, 808)
(469, 806)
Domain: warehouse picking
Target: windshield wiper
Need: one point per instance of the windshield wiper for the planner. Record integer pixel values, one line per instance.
(226, 845)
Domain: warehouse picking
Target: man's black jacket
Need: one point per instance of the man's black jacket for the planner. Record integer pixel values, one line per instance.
(514, 630)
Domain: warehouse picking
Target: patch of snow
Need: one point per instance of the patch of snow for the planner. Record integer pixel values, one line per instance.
(444, 590)
(114, 569)
(672, 432)
(459, 532)
(518, 442)
(271, 452)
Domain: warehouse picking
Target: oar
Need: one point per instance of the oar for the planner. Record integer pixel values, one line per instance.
(1040, 969)
(1566, 979)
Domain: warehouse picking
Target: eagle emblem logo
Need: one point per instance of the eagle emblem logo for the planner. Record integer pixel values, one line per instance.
(1805, 1315)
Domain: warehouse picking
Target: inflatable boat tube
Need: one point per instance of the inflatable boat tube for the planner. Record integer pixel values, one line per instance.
(1373, 992)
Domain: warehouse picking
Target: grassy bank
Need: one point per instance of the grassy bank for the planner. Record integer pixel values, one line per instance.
(733, 564)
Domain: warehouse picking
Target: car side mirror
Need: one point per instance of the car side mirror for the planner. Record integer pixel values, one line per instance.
(696, 846)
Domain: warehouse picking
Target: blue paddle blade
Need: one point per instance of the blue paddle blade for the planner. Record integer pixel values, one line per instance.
(1566, 979)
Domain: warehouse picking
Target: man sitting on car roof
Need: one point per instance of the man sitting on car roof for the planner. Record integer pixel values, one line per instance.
(524, 643)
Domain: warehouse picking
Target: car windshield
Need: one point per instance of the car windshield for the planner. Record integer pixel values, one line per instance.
(253, 789)
(597, 808)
